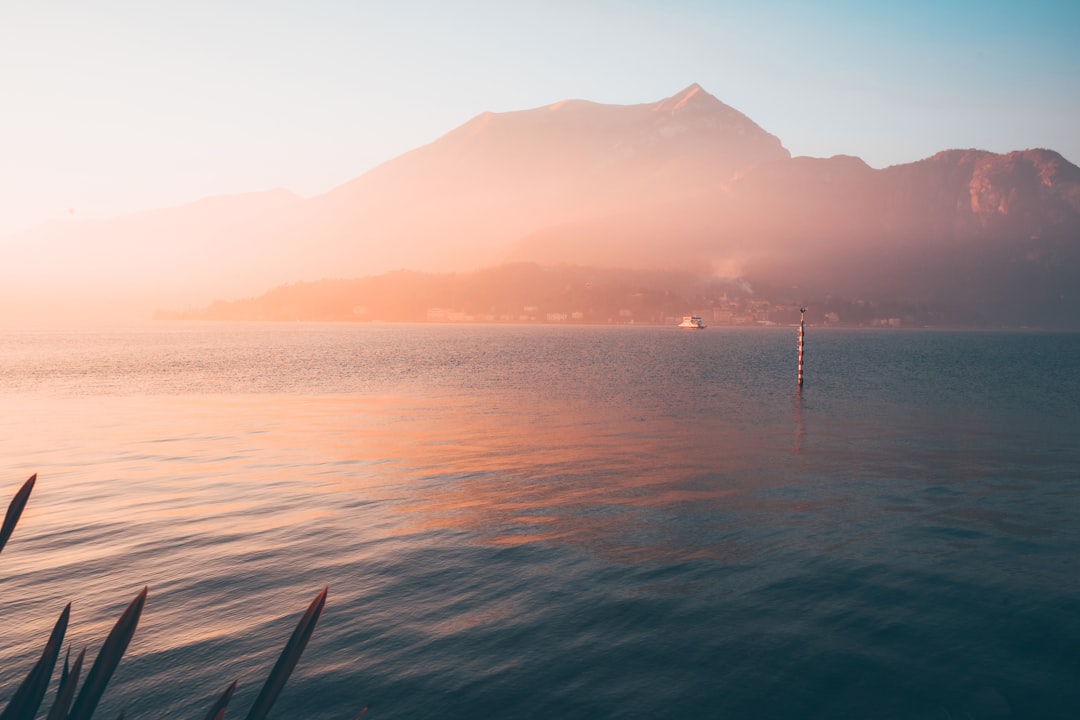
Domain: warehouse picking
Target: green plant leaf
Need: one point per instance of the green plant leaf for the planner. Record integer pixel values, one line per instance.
(108, 659)
(24, 704)
(288, 659)
(15, 509)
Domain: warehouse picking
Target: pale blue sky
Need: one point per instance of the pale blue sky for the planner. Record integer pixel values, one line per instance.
(118, 106)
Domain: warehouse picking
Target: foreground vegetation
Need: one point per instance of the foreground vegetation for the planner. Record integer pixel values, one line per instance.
(69, 705)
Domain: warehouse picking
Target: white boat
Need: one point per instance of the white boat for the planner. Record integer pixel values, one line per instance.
(692, 322)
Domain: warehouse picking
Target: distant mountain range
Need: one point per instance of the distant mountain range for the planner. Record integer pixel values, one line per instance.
(687, 183)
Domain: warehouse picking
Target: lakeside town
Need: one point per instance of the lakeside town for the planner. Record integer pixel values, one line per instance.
(533, 294)
(725, 312)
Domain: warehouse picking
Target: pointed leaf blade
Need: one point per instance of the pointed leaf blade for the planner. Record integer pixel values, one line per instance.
(108, 659)
(24, 704)
(217, 710)
(288, 659)
(15, 510)
(66, 692)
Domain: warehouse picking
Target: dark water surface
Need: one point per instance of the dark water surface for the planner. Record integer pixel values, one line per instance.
(553, 522)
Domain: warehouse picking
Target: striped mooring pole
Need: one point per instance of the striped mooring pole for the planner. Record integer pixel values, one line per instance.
(802, 335)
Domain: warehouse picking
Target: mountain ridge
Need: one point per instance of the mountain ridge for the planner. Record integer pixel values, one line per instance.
(686, 181)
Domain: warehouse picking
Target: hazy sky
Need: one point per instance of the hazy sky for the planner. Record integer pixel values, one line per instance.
(110, 107)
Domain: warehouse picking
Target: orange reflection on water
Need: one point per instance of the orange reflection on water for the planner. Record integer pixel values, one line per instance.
(508, 468)
(176, 490)
(516, 470)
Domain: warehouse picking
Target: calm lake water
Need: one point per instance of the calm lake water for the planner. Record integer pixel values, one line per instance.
(520, 522)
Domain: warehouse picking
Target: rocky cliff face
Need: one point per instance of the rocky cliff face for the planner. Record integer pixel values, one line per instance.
(836, 203)
(968, 192)
(986, 238)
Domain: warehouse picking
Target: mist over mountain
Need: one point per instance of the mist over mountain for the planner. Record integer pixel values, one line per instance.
(466, 199)
(686, 184)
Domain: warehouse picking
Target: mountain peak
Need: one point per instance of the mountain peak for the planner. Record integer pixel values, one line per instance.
(691, 96)
(691, 89)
